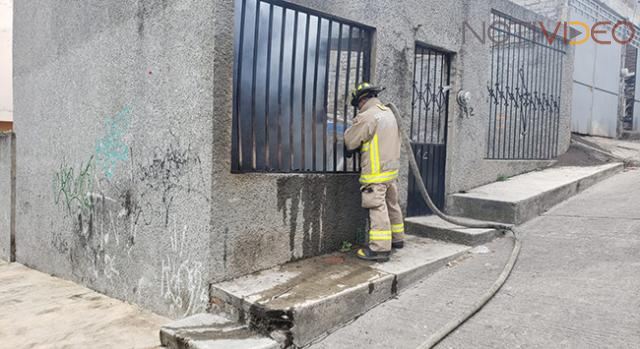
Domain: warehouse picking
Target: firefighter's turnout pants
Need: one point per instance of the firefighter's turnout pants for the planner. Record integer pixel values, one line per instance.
(385, 215)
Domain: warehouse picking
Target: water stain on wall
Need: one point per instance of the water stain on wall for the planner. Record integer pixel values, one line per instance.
(328, 208)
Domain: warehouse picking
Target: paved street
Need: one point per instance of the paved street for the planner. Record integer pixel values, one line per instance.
(577, 285)
(40, 311)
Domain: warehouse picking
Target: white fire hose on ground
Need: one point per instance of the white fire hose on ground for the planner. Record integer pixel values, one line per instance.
(508, 267)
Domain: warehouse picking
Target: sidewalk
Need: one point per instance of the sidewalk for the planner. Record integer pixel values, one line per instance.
(40, 311)
(629, 151)
(576, 285)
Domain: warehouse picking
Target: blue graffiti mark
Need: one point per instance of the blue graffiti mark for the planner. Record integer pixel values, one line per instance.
(112, 149)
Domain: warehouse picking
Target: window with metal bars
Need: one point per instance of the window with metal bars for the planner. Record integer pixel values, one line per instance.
(293, 75)
(525, 91)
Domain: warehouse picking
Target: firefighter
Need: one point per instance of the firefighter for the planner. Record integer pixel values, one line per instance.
(375, 134)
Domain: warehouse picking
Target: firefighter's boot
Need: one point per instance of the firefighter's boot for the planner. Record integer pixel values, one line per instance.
(368, 255)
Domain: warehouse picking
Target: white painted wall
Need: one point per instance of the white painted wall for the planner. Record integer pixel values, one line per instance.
(6, 59)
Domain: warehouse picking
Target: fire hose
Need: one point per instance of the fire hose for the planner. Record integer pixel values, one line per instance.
(452, 325)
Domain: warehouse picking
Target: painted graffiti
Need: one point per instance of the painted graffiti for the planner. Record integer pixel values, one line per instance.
(71, 185)
(112, 149)
(172, 171)
(123, 189)
(182, 278)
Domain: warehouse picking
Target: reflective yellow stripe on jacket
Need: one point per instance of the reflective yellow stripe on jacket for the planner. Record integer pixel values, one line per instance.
(374, 160)
(379, 178)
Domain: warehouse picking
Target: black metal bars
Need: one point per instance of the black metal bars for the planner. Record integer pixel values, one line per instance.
(293, 72)
(429, 115)
(524, 90)
(430, 101)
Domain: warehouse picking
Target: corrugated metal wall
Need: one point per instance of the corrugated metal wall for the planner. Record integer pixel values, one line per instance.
(596, 89)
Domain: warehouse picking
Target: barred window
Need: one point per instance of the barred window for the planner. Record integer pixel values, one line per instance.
(293, 74)
(524, 91)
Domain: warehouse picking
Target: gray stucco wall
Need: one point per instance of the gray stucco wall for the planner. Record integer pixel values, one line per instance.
(467, 167)
(262, 220)
(6, 164)
(113, 104)
(264, 237)
(269, 232)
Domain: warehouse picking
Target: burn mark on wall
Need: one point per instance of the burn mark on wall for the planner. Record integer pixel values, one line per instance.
(225, 247)
(141, 13)
(328, 207)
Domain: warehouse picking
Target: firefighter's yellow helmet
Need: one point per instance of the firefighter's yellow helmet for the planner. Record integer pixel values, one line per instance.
(363, 90)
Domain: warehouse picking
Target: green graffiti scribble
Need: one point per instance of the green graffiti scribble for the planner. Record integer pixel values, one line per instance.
(111, 149)
(71, 189)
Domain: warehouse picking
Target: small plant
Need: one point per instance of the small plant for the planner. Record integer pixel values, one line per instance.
(502, 178)
(346, 246)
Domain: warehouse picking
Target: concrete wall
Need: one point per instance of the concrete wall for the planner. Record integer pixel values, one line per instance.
(261, 220)
(467, 166)
(553, 9)
(113, 105)
(557, 9)
(7, 194)
(6, 88)
(313, 208)
(307, 210)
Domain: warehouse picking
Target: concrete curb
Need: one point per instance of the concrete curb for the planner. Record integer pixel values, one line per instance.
(434, 227)
(481, 203)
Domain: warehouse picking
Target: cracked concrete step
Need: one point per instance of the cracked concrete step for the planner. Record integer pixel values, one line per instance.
(527, 196)
(210, 331)
(434, 227)
(300, 301)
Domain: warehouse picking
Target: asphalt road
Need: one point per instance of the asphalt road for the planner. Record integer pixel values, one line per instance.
(577, 285)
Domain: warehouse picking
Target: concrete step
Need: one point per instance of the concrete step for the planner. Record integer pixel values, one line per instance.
(434, 227)
(300, 301)
(526, 196)
(630, 135)
(210, 331)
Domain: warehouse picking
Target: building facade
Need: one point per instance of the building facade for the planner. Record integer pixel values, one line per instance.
(606, 102)
(163, 146)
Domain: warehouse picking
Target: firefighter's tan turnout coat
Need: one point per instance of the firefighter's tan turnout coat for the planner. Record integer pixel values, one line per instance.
(376, 133)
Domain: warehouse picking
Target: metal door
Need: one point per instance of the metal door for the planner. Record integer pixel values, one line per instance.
(430, 108)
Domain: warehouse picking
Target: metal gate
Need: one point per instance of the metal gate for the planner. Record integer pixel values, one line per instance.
(596, 85)
(429, 113)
